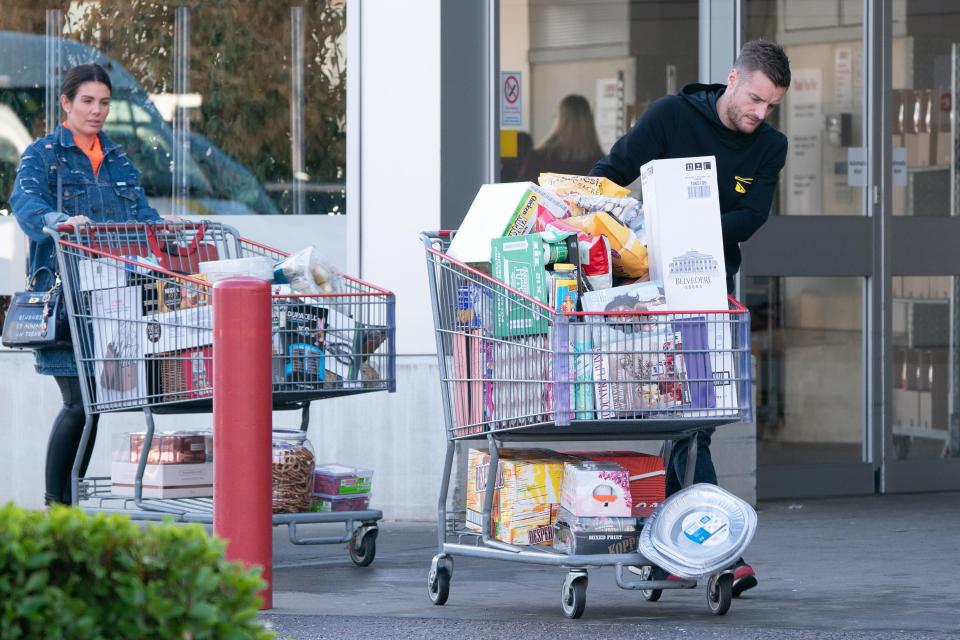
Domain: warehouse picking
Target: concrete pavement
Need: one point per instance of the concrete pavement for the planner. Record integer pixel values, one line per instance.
(866, 567)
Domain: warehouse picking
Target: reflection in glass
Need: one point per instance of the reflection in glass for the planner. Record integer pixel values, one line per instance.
(619, 56)
(238, 104)
(822, 115)
(922, 102)
(924, 352)
(808, 344)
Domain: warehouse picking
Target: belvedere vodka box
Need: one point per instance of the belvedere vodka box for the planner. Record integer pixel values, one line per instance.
(685, 244)
(682, 208)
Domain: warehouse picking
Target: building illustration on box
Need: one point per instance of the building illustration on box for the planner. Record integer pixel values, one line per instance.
(694, 262)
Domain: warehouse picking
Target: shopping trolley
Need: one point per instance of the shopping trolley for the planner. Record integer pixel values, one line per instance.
(142, 324)
(513, 370)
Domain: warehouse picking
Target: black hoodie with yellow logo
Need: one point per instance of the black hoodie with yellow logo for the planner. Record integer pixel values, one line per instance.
(687, 125)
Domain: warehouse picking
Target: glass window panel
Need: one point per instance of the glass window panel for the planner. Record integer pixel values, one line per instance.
(619, 56)
(238, 102)
(822, 115)
(921, 104)
(243, 129)
(925, 327)
(133, 41)
(808, 344)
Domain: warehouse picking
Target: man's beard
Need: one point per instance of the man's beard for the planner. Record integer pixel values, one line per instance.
(736, 117)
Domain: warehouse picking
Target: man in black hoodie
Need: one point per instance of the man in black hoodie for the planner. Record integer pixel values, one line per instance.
(726, 122)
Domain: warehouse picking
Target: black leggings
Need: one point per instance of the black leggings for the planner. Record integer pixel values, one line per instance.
(65, 441)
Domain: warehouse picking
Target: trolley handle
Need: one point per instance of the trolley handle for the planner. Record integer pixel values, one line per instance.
(91, 229)
(149, 230)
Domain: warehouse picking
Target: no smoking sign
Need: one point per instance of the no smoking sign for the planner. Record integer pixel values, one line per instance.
(511, 100)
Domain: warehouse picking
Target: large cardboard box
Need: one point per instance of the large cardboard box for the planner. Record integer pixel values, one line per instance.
(682, 212)
(189, 328)
(526, 494)
(120, 374)
(164, 480)
(594, 535)
(507, 209)
(647, 476)
(596, 489)
(103, 273)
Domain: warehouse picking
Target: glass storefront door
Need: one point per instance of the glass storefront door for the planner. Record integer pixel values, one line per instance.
(852, 282)
(921, 446)
(807, 272)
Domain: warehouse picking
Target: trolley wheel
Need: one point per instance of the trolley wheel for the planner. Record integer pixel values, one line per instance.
(720, 592)
(438, 586)
(365, 551)
(650, 595)
(573, 595)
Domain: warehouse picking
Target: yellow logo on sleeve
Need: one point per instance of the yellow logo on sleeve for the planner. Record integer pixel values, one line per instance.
(740, 185)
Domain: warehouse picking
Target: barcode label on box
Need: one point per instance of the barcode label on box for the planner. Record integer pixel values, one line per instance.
(697, 190)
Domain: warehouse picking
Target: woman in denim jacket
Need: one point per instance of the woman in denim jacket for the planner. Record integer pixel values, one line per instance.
(98, 183)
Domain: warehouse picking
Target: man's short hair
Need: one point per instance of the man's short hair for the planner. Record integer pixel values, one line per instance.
(768, 58)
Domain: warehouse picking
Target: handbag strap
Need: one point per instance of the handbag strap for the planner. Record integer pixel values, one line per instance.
(26, 267)
(33, 278)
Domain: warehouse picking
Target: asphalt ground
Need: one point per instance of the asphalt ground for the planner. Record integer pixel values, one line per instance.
(867, 567)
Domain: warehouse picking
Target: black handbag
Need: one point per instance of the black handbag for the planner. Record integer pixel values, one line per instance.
(37, 319)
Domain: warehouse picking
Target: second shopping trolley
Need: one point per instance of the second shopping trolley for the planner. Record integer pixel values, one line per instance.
(141, 318)
(514, 370)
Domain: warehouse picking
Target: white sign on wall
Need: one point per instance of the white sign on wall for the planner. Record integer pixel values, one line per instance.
(843, 79)
(857, 167)
(511, 100)
(804, 129)
(899, 166)
(607, 113)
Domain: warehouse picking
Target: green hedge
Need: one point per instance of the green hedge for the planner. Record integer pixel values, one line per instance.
(68, 575)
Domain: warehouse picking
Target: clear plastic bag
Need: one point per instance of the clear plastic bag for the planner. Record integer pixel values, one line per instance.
(307, 273)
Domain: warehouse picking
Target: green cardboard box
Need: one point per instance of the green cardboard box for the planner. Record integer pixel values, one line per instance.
(519, 262)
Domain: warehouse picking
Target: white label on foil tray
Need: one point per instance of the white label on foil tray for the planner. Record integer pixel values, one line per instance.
(706, 528)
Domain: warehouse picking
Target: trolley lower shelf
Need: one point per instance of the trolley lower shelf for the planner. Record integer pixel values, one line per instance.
(361, 527)
(573, 594)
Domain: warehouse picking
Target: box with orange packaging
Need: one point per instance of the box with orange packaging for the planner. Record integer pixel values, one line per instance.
(526, 495)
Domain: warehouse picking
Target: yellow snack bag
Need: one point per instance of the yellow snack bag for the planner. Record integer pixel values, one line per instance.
(628, 253)
(562, 184)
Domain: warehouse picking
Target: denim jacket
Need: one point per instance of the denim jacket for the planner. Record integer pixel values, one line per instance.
(112, 195)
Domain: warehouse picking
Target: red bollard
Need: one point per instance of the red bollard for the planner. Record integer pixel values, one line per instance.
(242, 423)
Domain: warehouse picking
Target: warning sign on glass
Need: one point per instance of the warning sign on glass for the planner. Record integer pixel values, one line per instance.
(511, 100)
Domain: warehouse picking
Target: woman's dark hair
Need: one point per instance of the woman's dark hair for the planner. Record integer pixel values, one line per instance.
(574, 136)
(81, 74)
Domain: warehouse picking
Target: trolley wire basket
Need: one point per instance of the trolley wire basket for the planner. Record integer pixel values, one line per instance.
(142, 321)
(510, 363)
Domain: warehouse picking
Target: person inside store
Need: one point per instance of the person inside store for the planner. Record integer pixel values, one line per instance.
(572, 146)
(728, 122)
(510, 167)
(74, 175)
